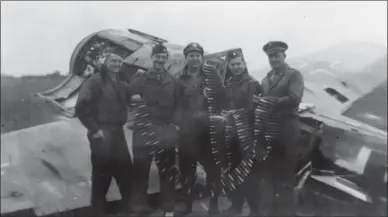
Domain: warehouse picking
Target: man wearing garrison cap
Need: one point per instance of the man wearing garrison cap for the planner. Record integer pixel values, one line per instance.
(102, 109)
(159, 89)
(192, 115)
(286, 84)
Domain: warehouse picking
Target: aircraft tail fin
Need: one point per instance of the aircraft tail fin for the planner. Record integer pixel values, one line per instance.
(148, 36)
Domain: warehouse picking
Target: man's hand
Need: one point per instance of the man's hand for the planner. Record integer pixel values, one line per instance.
(256, 98)
(209, 68)
(206, 91)
(98, 135)
(136, 97)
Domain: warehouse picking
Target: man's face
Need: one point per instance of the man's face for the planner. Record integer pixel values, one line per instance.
(277, 59)
(113, 63)
(159, 60)
(194, 59)
(237, 66)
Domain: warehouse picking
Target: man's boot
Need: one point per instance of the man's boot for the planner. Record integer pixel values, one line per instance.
(141, 210)
(234, 209)
(182, 209)
(213, 206)
(237, 204)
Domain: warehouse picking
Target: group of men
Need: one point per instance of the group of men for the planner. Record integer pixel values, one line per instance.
(178, 109)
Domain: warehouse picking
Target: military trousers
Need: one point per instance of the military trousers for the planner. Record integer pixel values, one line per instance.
(194, 146)
(275, 177)
(110, 157)
(243, 192)
(165, 162)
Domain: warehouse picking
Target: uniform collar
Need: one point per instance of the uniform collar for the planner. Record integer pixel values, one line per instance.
(185, 73)
(158, 75)
(163, 76)
(239, 78)
(280, 72)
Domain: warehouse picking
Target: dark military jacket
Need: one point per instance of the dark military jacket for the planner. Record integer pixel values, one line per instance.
(161, 92)
(288, 85)
(239, 91)
(192, 111)
(193, 98)
(102, 101)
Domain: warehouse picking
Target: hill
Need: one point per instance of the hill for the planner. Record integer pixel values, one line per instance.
(349, 57)
(19, 107)
(369, 77)
(342, 59)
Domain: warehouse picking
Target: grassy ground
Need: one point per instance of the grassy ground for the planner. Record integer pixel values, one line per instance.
(19, 107)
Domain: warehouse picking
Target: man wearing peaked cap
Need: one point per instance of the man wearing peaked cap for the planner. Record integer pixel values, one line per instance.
(287, 86)
(194, 144)
(159, 90)
(193, 47)
(274, 47)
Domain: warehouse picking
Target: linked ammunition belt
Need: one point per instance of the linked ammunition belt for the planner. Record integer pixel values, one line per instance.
(143, 123)
(241, 120)
(256, 141)
(267, 126)
(214, 83)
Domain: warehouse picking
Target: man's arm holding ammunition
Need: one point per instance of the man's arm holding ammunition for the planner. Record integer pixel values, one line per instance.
(254, 89)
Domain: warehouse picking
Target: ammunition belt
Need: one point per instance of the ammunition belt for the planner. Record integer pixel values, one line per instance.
(232, 179)
(214, 83)
(256, 140)
(267, 126)
(143, 123)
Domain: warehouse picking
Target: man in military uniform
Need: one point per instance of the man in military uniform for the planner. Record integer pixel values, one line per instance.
(277, 183)
(102, 109)
(193, 120)
(240, 88)
(160, 91)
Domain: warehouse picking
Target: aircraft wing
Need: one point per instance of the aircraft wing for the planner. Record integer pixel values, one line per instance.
(47, 168)
(370, 108)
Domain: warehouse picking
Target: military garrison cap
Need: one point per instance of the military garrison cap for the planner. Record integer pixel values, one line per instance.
(234, 54)
(193, 47)
(159, 48)
(275, 46)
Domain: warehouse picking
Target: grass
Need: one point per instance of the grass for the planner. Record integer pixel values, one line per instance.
(20, 108)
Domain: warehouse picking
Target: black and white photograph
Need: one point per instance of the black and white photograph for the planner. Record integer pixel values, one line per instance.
(193, 108)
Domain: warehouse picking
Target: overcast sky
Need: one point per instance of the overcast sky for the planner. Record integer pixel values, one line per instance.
(39, 37)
